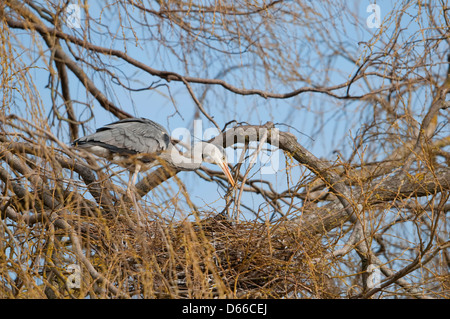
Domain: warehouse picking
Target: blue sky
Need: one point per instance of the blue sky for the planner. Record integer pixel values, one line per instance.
(323, 125)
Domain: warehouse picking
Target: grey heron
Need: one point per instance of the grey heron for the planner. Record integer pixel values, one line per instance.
(138, 143)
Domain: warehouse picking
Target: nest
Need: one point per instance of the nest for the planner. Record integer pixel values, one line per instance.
(215, 258)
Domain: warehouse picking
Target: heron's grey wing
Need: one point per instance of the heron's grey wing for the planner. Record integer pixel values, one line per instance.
(141, 137)
(129, 136)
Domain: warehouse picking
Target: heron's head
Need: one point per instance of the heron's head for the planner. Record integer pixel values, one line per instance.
(216, 155)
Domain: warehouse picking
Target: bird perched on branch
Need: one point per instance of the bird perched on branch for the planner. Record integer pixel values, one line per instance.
(139, 144)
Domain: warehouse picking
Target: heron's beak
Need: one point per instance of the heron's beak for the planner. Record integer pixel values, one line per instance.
(224, 166)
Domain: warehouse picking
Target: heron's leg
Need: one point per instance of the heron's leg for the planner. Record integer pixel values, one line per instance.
(136, 171)
(132, 180)
(131, 190)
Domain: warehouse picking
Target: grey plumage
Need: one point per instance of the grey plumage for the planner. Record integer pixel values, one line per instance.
(120, 140)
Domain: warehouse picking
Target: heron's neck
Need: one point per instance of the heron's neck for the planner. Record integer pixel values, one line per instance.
(188, 161)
